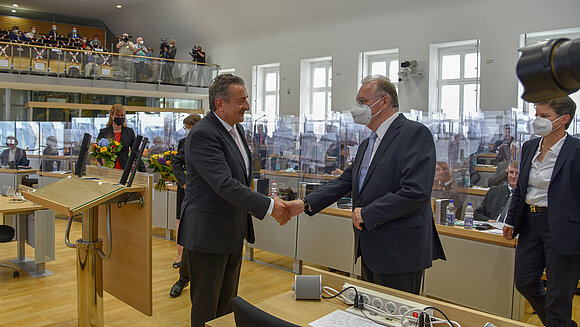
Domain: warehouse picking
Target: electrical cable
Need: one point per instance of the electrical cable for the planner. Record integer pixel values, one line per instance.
(449, 322)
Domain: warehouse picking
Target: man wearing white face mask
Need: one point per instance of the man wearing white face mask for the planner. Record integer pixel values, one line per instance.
(391, 180)
(545, 212)
(140, 50)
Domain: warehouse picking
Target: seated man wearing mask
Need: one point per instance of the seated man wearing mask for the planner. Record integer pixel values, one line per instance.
(497, 201)
(14, 155)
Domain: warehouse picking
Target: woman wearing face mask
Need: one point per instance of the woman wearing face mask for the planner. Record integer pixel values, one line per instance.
(117, 130)
(545, 212)
(178, 165)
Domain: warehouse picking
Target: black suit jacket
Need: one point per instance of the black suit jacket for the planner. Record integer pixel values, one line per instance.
(19, 157)
(493, 203)
(563, 196)
(127, 140)
(399, 234)
(178, 164)
(215, 215)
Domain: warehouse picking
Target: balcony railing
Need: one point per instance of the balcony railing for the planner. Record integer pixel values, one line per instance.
(62, 62)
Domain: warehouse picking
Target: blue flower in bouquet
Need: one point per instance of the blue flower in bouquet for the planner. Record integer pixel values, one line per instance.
(162, 161)
(104, 142)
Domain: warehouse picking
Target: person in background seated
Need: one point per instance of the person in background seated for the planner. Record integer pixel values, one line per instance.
(507, 137)
(443, 186)
(13, 154)
(117, 130)
(178, 165)
(52, 32)
(74, 35)
(91, 66)
(158, 145)
(16, 35)
(496, 203)
(50, 150)
(500, 175)
(32, 34)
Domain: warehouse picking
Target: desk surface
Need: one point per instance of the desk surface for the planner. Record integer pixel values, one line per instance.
(303, 312)
(18, 171)
(485, 168)
(7, 207)
(475, 235)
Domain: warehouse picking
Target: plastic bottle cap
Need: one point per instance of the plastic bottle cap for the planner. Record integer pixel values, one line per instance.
(450, 201)
(468, 203)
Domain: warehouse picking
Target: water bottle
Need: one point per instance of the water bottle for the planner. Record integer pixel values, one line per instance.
(467, 179)
(450, 214)
(274, 189)
(468, 223)
(54, 166)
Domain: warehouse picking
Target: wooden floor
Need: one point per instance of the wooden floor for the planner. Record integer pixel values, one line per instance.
(51, 301)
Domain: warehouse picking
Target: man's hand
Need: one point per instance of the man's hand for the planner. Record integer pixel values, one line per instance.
(357, 219)
(336, 172)
(508, 233)
(295, 207)
(280, 212)
(491, 220)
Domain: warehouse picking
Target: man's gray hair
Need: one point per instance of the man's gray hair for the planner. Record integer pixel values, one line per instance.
(384, 87)
(220, 88)
(561, 106)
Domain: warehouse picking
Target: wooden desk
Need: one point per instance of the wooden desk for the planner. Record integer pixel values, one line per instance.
(303, 312)
(478, 273)
(12, 177)
(40, 236)
(486, 169)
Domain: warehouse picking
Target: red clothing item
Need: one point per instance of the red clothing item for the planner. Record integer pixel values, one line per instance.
(118, 139)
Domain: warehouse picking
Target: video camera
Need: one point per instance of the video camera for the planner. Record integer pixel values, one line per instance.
(125, 38)
(549, 70)
(164, 45)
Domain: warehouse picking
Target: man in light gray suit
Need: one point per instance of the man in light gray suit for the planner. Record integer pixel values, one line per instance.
(218, 201)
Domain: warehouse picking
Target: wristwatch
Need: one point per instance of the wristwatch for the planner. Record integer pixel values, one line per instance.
(306, 205)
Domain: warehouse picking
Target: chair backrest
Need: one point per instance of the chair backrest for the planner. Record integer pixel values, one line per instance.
(247, 315)
(6, 233)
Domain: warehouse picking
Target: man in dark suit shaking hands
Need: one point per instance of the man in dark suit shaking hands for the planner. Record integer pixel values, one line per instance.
(218, 201)
(545, 212)
(391, 180)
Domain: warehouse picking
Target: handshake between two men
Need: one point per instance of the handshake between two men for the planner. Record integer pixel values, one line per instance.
(284, 210)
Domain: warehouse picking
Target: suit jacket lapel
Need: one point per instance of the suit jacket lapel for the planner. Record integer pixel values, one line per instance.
(564, 153)
(526, 164)
(246, 148)
(390, 135)
(228, 137)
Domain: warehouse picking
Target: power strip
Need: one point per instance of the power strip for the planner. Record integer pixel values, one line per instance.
(391, 304)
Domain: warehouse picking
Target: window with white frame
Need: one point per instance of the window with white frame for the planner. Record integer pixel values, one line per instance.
(381, 62)
(266, 92)
(316, 88)
(456, 68)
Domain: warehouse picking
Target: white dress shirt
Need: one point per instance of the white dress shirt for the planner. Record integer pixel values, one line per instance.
(229, 128)
(381, 131)
(541, 174)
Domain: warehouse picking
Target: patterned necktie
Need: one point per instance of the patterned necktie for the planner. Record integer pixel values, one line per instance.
(364, 166)
(240, 147)
(506, 208)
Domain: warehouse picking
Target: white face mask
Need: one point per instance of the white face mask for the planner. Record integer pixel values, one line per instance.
(141, 42)
(543, 126)
(363, 114)
(187, 130)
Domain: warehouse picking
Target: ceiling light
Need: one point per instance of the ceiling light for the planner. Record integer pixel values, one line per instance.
(13, 10)
(14, 5)
(119, 6)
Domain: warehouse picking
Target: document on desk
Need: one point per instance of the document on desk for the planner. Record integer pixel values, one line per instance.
(341, 318)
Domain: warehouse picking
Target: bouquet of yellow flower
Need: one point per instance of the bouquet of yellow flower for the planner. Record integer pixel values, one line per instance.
(106, 150)
(161, 163)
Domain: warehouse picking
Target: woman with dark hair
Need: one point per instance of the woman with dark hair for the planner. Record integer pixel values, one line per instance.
(545, 212)
(117, 130)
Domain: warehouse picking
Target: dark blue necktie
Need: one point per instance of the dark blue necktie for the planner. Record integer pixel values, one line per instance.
(364, 166)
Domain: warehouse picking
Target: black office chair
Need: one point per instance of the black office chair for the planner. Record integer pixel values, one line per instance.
(247, 315)
(7, 235)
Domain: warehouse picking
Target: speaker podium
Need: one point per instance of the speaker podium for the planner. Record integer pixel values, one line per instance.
(114, 253)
